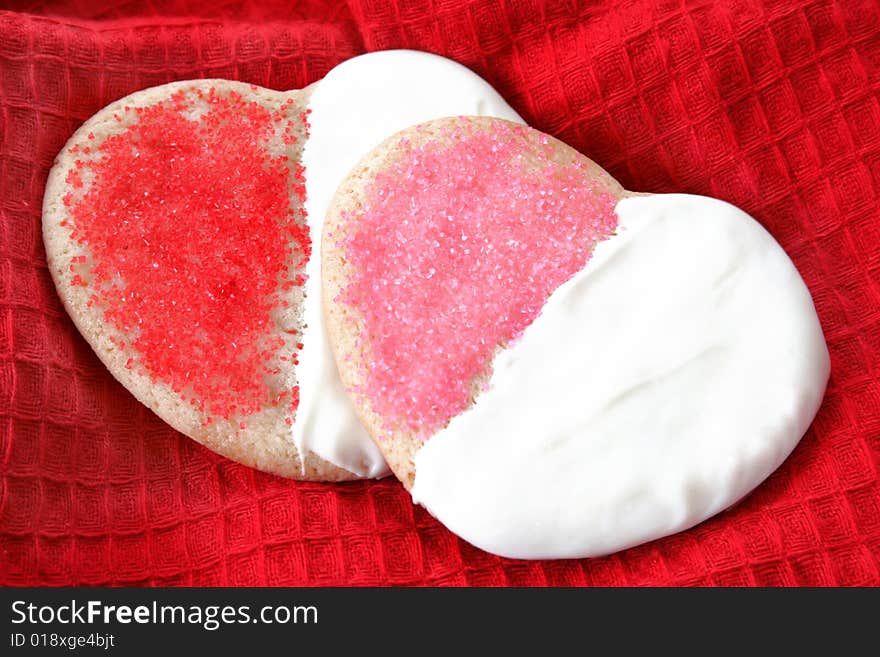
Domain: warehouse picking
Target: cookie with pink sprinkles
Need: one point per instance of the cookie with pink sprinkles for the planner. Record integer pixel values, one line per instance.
(556, 367)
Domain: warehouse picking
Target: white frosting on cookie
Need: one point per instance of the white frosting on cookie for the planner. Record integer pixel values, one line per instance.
(354, 108)
(659, 385)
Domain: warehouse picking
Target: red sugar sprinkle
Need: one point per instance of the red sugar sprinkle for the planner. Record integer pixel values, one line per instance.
(192, 226)
(457, 248)
(74, 179)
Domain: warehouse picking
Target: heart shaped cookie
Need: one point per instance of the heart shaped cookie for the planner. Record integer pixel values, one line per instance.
(556, 367)
(180, 225)
(174, 229)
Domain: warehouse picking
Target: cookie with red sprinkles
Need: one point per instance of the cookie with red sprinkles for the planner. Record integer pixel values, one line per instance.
(175, 233)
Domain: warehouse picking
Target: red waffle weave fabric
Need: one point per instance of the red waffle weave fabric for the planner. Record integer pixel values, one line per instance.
(771, 106)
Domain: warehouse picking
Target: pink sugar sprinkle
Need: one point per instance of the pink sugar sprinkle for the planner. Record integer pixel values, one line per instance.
(455, 252)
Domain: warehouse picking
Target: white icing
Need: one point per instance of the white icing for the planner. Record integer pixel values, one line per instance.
(659, 386)
(354, 108)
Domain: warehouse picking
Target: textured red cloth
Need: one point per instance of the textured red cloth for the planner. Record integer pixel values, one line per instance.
(771, 106)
